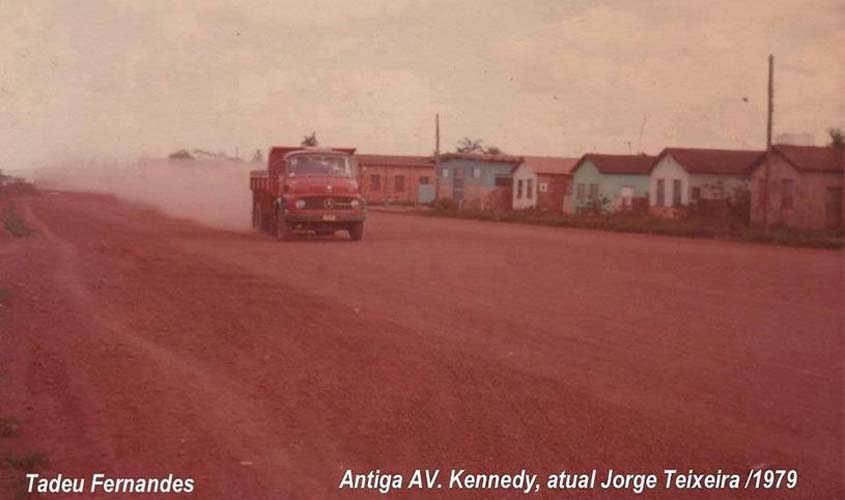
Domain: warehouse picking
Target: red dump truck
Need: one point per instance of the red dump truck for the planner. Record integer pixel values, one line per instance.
(307, 189)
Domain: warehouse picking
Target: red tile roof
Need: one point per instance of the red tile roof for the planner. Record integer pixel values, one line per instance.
(713, 161)
(395, 160)
(550, 165)
(482, 157)
(618, 164)
(812, 158)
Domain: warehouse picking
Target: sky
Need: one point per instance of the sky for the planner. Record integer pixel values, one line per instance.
(126, 79)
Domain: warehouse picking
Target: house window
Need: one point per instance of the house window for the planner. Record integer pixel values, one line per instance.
(661, 193)
(594, 191)
(399, 183)
(476, 172)
(529, 189)
(375, 183)
(786, 188)
(695, 194)
(543, 187)
(581, 191)
(676, 192)
(444, 172)
(423, 180)
(519, 189)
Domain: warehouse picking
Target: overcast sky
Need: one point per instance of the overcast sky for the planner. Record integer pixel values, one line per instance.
(557, 77)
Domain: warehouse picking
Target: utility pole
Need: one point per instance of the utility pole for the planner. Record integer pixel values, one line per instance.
(767, 166)
(437, 133)
(436, 156)
(640, 140)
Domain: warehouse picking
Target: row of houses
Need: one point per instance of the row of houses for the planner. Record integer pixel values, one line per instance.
(471, 180)
(803, 188)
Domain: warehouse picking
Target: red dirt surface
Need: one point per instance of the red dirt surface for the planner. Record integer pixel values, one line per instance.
(136, 344)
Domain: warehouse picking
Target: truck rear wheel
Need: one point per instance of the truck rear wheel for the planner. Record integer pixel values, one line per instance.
(284, 231)
(356, 231)
(256, 216)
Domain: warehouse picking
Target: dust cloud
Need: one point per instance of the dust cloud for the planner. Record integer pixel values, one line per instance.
(214, 193)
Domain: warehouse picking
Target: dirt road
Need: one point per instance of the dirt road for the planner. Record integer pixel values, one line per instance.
(135, 344)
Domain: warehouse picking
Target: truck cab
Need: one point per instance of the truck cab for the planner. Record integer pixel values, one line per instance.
(308, 189)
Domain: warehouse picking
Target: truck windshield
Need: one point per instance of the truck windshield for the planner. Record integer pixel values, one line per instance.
(319, 165)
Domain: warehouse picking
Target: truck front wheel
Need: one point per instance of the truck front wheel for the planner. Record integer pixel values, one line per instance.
(356, 231)
(284, 231)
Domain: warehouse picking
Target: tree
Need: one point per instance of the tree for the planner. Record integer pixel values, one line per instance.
(837, 137)
(258, 157)
(468, 145)
(310, 140)
(493, 150)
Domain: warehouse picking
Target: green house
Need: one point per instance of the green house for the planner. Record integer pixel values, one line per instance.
(609, 183)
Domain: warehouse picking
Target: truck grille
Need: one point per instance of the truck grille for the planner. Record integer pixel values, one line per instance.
(328, 203)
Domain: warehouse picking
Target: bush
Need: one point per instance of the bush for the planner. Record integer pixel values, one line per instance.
(445, 204)
(14, 224)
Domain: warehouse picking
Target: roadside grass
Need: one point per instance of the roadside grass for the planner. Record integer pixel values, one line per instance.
(648, 224)
(14, 224)
(28, 462)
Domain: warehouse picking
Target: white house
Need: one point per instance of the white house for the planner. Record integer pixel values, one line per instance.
(685, 176)
(541, 182)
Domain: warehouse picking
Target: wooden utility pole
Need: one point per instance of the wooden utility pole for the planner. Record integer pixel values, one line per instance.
(771, 101)
(437, 133)
(767, 165)
(640, 140)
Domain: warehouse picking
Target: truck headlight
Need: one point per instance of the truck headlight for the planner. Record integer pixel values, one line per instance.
(354, 203)
(299, 204)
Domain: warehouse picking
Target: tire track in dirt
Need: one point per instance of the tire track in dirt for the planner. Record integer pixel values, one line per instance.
(113, 342)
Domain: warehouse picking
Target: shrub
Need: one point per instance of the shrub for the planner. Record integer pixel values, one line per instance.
(14, 224)
(445, 204)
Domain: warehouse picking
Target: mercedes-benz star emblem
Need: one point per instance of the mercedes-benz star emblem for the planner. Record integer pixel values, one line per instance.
(328, 203)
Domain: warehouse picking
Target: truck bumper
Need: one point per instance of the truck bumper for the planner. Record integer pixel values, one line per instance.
(322, 219)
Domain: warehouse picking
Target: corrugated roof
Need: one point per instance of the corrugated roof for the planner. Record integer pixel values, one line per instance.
(618, 164)
(395, 160)
(713, 161)
(552, 165)
(812, 158)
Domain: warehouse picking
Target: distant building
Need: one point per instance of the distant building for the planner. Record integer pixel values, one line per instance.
(397, 178)
(182, 154)
(805, 188)
(201, 154)
(683, 177)
(482, 181)
(609, 183)
(542, 182)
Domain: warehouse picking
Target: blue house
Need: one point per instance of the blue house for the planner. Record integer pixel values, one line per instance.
(480, 181)
(609, 183)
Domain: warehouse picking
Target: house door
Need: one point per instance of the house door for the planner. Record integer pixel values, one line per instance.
(458, 185)
(833, 208)
(504, 192)
(626, 198)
